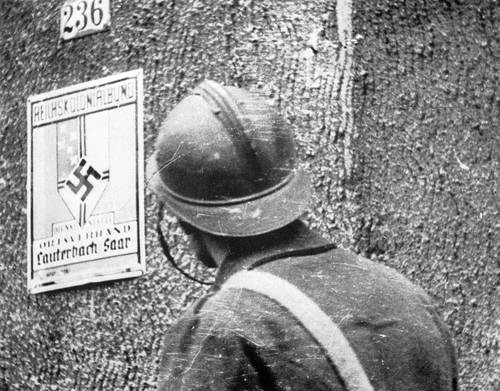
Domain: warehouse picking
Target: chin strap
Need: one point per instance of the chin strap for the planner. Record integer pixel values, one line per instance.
(166, 250)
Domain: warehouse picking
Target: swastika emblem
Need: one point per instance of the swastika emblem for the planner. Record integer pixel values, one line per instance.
(83, 179)
(83, 165)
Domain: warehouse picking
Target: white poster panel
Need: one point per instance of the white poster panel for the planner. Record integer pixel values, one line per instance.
(85, 183)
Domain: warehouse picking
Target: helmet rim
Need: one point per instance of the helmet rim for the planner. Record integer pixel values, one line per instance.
(238, 218)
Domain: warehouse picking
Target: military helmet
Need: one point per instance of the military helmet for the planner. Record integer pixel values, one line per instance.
(225, 163)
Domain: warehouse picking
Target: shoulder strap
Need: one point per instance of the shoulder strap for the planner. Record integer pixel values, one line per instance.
(314, 320)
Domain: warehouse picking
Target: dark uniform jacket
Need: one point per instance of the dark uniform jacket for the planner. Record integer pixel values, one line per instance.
(241, 340)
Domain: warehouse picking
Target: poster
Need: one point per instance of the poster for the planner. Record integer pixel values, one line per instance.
(85, 183)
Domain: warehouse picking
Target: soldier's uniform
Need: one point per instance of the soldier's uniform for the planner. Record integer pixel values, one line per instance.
(228, 168)
(241, 340)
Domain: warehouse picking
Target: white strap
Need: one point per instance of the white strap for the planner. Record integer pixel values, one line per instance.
(307, 312)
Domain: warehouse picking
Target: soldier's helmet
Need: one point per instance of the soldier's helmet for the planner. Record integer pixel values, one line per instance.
(225, 163)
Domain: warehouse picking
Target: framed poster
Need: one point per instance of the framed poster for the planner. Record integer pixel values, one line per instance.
(85, 183)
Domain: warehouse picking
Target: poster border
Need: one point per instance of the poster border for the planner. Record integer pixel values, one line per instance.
(138, 76)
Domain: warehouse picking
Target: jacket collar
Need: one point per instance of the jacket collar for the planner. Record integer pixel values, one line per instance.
(295, 236)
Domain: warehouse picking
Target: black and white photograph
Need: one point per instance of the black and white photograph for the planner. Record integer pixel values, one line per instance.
(244, 195)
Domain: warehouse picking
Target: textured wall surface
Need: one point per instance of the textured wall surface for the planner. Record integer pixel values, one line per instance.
(397, 119)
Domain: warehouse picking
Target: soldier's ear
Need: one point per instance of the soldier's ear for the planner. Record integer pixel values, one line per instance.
(187, 228)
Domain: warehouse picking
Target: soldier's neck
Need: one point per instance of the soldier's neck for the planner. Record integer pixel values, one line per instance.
(233, 254)
(218, 248)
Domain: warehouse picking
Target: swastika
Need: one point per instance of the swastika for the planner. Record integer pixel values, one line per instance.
(83, 179)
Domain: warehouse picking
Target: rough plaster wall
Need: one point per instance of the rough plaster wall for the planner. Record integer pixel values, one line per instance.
(427, 109)
(411, 179)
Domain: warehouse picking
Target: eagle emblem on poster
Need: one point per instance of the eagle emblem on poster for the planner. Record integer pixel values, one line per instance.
(82, 166)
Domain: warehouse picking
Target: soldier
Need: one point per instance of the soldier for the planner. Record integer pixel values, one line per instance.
(288, 310)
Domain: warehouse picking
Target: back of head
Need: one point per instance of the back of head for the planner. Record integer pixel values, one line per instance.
(225, 162)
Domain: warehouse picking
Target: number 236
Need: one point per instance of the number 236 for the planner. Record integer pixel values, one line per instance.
(82, 14)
